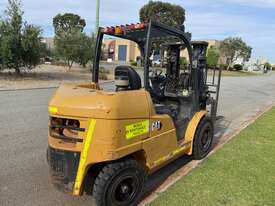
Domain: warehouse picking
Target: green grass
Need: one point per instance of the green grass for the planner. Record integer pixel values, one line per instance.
(235, 73)
(242, 173)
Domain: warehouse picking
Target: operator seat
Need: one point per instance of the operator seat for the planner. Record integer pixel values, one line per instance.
(126, 78)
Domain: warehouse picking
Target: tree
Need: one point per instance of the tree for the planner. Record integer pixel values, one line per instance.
(86, 50)
(72, 44)
(183, 63)
(213, 55)
(1, 39)
(268, 66)
(170, 14)
(20, 42)
(11, 50)
(45, 52)
(67, 23)
(31, 45)
(234, 49)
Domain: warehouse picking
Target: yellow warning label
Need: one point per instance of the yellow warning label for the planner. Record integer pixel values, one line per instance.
(137, 129)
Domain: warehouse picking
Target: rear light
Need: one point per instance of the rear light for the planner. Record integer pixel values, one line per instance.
(111, 30)
(105, 30)
(132, 27)
(118, 30)
(137, 26)
(142, 25)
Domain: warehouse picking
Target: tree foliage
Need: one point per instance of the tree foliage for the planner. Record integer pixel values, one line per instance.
(31, 45)
(238, 67)
(183, 63)
(169, 14)
(71, 43)
(86, 52)
(234, 49)
(213, 55)
(268, 66)
(1, 40)
(67, 23)
(20, 42)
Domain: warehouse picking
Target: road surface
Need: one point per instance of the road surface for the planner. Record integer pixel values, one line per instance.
(23, 168)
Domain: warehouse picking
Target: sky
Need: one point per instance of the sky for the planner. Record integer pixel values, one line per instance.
(252, 20)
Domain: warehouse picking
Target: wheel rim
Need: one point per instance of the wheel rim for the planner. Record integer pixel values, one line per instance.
(125, 190)
(206, 139)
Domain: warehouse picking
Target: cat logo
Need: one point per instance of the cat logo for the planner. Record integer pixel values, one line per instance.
(156, 126)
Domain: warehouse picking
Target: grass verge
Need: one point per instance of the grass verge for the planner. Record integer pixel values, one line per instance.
(235, 73)
(242, 173)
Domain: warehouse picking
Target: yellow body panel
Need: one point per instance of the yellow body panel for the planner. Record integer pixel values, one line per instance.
(118, 124)
(192, 128)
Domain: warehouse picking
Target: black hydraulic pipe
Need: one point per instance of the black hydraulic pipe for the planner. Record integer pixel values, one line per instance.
(96, 62)
(147, 57)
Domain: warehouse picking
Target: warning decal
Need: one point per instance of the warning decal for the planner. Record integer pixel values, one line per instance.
(136, 129)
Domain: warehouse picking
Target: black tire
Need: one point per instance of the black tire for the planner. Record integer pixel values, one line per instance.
(119, 183)
(203, 139)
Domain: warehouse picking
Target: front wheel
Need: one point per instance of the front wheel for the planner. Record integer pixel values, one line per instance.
(120, 183)
(203, 139)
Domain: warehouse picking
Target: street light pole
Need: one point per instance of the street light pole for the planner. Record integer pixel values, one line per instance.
(97, 14)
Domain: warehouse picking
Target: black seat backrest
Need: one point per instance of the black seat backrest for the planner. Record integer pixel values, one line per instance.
(133, 76)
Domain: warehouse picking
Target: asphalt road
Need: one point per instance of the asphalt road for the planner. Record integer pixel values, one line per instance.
(23, 125)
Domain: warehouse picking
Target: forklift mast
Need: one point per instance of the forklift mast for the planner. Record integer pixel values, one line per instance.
(206, 86)
(200, 62)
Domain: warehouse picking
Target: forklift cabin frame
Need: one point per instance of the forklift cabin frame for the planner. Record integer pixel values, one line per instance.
(154, 31)
(158, 32)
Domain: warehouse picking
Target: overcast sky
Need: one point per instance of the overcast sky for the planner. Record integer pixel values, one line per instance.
(253, 20)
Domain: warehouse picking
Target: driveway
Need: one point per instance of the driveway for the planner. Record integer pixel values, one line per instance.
(23, 125)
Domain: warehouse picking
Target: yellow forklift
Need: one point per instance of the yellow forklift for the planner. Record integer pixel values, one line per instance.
(108, 141)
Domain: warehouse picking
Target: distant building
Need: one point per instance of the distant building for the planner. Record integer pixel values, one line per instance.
(120, 50)
(49, 41)
(125, 51)
(255, 64)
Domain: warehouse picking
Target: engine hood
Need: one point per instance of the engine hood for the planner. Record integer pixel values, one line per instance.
(82, 101)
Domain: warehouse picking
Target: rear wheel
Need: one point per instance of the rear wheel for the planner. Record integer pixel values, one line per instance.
(120, 183)
(203, 139)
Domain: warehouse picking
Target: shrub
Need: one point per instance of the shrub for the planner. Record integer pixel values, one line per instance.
(103, 73)
(103, 70)
(213, 56)
(103, 76)
(223, 66)
(58, 63)
(133, 63)
(273, 67)
(238, 67)
(183, 63)
(268, 66)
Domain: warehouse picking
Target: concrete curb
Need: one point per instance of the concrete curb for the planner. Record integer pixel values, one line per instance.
(37, 88)
(186, 169)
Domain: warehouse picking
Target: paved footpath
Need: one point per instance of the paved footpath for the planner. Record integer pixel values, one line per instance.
(23, 168)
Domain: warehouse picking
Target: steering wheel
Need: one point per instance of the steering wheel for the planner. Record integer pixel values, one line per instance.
(158, 83)
(157, 72)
